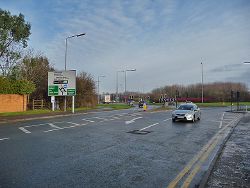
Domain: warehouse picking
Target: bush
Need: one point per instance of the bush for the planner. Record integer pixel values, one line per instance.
(8, 86)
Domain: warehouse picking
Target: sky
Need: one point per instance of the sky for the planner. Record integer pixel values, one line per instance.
(164, 40)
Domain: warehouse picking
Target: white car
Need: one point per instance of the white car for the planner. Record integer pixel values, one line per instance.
(186, 112)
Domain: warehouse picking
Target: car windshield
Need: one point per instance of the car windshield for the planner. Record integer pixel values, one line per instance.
(185, 107)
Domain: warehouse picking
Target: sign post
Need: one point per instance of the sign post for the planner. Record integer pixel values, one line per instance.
(62, 84)
(53, 103)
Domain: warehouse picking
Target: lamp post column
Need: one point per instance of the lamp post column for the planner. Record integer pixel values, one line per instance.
(202, 87)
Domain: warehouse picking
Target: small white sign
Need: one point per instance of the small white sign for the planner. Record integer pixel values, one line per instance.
(52, 99)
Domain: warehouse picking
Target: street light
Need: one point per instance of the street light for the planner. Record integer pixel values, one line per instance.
(246, 62)
(125, 89)
(201, 82)
(65, 66)
(117, 83)
(98, 81)
(66, 49)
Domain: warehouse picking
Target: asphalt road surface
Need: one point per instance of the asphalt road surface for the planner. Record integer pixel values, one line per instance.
(123, 148)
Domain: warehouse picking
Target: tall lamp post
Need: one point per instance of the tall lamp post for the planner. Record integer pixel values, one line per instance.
(98, 84)
(117, 84)
(202, 87)
(65, 65)
(125, 85)
(125, 72)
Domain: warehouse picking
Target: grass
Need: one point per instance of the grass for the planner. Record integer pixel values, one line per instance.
(221, 104)
(114, 106)
(48, 111)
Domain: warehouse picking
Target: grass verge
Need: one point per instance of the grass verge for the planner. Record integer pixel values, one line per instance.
(47, 111)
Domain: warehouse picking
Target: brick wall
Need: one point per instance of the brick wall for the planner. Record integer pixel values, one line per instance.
(13, 103)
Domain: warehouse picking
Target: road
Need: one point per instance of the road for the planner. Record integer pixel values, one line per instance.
(122, 148)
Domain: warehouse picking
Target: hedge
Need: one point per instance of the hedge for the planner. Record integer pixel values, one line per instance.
(8, 86)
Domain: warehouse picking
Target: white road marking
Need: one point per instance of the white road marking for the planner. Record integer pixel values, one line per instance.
(61, 128)
(88, 120)
(54, 126)
(104, 119)
(1, 139)
(24, 130)
(167, 119)
(148, 126)
(221, 120)
(114, 117)
(132, 120)
(74, 123)
(37, 125)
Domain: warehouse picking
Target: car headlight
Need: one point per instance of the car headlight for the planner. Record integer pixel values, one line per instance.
(189, 115)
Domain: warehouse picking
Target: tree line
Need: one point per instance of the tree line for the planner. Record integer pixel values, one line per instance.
(216, 91)
(26, 72)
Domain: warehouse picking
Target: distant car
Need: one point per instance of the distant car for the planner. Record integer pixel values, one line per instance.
(140, 104)
(186, 112)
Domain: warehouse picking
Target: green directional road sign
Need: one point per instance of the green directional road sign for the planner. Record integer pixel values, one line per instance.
(71, 92)
(53, 90)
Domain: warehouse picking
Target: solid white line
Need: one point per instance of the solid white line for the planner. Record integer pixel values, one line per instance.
(148, 126)
(88, 120)
(54, 126)
(1, 139)
(167, 119)
(24, 130)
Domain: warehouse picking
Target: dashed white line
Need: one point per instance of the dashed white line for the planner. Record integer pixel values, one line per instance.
(54, 126)
(24, 130)
(222, 116)
(61, 128)
(114, 117)
(132, 120)
(1, 139)
(148, 126)
(37, 125)
(74, 123)
(88, 120)
(104, 119)
(167, 119)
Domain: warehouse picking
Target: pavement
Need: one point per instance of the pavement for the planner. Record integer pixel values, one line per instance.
(232, 168)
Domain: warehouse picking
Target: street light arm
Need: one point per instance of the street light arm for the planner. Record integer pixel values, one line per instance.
(81, 34)
(78, 35)
(131, 70)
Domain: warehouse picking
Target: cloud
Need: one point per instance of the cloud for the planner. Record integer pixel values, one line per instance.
(165, 40)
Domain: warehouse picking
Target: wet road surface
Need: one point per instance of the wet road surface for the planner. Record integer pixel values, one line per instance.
(125, 148)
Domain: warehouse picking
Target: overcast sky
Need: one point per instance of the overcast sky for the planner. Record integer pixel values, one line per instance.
(164, 40)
